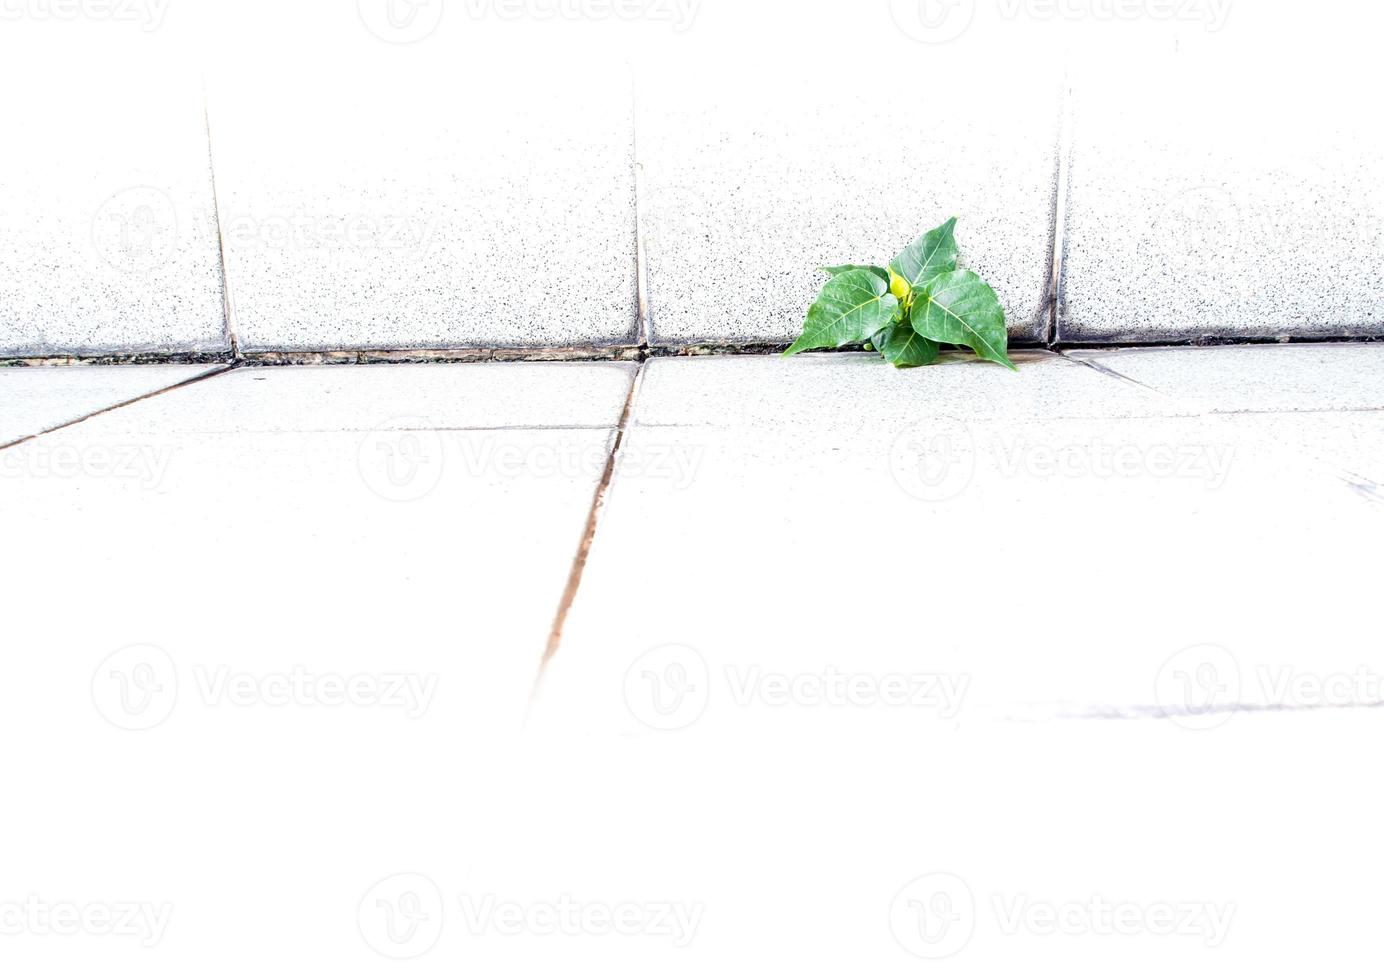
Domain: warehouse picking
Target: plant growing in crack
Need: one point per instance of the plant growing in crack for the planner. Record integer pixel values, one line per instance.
(907, 311)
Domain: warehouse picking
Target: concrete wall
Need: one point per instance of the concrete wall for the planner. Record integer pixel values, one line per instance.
(483, 173)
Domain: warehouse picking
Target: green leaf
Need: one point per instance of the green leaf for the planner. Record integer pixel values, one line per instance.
(959, 308)
(904, 348)
(852, 308)
(928, 257)
(836, 270)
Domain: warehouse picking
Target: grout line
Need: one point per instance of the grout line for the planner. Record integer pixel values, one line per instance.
(593, 520)
(1057, 269)
(222, 369)
(641, 252)
(229, 324)
(623, 353)
(1213, 341)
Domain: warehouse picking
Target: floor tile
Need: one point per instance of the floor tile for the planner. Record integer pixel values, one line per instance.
(37, 399)
(764, 172)
(385, 207)
(1190, 217)
(108, 237)
(1028, 567)
(1257, 378)
(282, 649)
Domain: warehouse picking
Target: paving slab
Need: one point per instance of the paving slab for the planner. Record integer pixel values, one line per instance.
(850, 851)
(950, 546)
(1323, 400)
(758, 175)
(1190, 217)
(108, 239)
(1257, 377)
(280, 648)
(35, 399)
(378, 208)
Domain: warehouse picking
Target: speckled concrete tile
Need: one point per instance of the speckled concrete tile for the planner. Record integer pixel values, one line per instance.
(107, 223)
(35, 399)
(1348, 444)
(392, 398)
(372, 197)
(1191, 214)
(1256, 378)
(820, 548)
(859, 391)
(806, 153)
(277, 641)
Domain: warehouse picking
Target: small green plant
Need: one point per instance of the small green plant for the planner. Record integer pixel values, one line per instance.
(909, 309)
